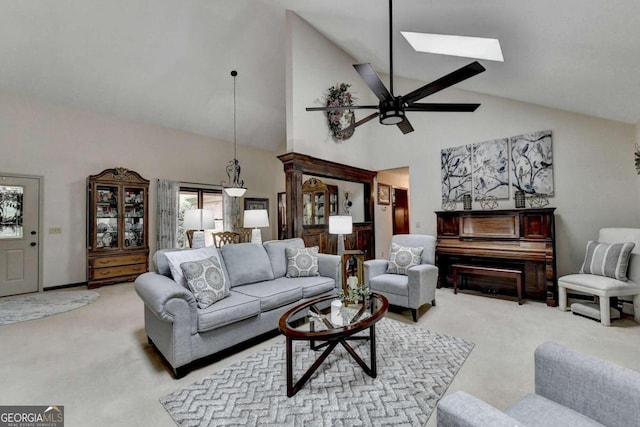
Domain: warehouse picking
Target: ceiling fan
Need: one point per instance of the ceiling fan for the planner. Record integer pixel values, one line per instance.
(391, 109)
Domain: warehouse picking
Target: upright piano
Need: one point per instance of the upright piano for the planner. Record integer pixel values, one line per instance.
(522, 239)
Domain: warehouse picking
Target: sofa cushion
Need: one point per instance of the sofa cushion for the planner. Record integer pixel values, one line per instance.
(402, 258)
(274, 293)
(609, 260)
(176, 258)
(536, 411)
(277, 256)
(229, 310)
(206, 280)
(315, 285)
(302, 262)
(391, 283)
(246, 263)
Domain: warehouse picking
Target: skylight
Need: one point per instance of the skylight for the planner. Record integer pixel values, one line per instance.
(468, 47)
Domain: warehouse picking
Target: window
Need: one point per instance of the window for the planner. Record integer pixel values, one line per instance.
(198, 198)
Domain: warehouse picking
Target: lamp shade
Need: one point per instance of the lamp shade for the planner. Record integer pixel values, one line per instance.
(235, 191)
(198, 219)
(340, 224)
(256, 218)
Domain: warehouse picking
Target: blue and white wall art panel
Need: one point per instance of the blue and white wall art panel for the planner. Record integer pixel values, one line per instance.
(455, 168)
(532, 163)
(491, 169)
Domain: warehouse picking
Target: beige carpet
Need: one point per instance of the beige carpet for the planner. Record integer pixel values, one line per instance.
(96, 362)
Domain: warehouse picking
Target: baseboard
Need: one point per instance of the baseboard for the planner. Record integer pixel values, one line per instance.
(70, 285)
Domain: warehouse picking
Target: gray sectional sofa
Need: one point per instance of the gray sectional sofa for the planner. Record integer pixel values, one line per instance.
(260, 293)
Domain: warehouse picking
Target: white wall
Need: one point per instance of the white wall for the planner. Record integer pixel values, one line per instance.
(396, 178)
(66, 145)
(595, 180)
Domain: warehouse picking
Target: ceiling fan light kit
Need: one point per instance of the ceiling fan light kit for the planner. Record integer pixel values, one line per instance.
(391, 108)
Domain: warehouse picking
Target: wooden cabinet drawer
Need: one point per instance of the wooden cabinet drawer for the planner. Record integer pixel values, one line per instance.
(116, 261)
(125, 270)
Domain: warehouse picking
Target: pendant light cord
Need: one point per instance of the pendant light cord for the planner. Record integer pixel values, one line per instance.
(234, 74)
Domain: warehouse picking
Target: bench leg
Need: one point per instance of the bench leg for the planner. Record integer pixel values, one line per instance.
(519, 288)
(605, 313)
(455, 281)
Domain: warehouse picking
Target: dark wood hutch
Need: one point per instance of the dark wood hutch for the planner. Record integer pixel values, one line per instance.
(295, 166)
(520, 239)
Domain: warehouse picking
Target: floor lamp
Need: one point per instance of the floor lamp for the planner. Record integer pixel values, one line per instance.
(254, 218)
(198, 220)
(340, 225)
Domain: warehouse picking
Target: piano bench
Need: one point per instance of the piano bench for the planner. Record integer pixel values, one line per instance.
(478, 270)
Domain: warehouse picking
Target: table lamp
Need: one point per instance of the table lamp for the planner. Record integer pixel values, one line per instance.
(340, 225)
(198, 220)
(254, 218)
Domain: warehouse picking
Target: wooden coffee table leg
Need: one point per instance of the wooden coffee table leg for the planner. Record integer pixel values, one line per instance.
(293, 389)
(371, 371)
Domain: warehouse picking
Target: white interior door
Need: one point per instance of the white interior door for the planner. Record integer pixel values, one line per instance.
(19, 234)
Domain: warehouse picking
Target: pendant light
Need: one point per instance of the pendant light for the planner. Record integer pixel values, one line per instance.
(234, 187)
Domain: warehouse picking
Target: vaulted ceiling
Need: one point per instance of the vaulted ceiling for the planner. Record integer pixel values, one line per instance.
(167, 62)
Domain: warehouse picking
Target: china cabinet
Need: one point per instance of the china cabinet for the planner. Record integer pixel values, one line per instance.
(117, 226)
(319, 201)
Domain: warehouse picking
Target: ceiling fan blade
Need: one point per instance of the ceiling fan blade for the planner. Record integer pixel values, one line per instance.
(459, 108)
(372, 80)
(444, 82)
(353, 107)
(360, 122)
(405, 126)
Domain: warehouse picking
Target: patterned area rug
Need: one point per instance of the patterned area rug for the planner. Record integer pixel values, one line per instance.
(415, 367)
(35, 306)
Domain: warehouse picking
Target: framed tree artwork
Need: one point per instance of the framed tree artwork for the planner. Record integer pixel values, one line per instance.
(251, 203)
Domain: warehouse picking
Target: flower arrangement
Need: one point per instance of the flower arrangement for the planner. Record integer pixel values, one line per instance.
(355, 294)
(340, 120)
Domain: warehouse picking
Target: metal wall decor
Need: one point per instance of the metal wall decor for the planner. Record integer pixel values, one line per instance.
(538, 200)
(448, 205)
(489, 202)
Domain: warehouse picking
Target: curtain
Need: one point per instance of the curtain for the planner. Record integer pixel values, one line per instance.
(168, 210)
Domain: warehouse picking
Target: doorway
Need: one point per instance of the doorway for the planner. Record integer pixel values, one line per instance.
(19, 234)
(400, 211)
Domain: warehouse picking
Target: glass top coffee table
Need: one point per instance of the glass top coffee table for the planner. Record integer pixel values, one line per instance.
(331, 330)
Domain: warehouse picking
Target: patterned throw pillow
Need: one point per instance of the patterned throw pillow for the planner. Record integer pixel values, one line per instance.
(206, 280)
(609, 260)
(302, 262)
(401, 259)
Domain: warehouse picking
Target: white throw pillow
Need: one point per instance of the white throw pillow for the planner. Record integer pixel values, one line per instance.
(401, 259)
(178, 257)
(206, 280)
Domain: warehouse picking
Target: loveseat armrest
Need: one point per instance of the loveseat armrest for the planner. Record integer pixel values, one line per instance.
(329, 266)
(157, 291)
(461, 409)
(607, 393)
(373, 268)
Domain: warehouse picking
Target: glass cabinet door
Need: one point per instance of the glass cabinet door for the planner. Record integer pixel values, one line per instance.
(319, 208)
(106, 226)
(134, 199)
(307, 218)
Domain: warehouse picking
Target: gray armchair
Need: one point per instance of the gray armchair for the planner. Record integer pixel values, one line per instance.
(416, 288)
(571, 389)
